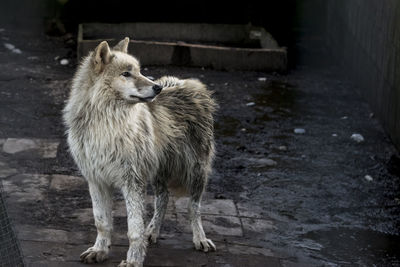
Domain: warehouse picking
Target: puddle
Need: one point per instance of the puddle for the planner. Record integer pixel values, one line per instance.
(358, 246)
(227, 126)
(277, 95)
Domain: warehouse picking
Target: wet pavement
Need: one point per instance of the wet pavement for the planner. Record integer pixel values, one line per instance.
(289, 188)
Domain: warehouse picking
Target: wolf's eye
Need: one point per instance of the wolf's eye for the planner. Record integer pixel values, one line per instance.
(126, 74)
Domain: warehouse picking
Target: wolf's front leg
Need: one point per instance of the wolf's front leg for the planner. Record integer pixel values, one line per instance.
(135, 207)
(101, 195)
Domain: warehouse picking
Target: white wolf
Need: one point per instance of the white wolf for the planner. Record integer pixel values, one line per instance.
(125, 130)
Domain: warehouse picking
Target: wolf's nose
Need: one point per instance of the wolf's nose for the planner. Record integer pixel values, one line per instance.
(157, 89)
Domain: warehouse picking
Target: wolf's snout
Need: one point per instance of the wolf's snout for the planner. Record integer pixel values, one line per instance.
(157, 89)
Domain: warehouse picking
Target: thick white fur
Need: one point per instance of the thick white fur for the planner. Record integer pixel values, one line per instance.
(120, 140)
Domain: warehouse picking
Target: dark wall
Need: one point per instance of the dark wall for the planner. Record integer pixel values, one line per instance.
(275, 16)
(364, 39)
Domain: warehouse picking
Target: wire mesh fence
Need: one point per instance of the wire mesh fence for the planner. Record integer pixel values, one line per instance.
(10, 251)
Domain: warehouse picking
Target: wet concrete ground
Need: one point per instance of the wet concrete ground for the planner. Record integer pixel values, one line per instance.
(276, 197)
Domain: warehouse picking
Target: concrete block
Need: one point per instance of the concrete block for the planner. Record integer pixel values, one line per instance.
(219, 46)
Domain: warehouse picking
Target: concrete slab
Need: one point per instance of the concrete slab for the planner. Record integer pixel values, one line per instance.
(249, 250)
(66, 182)
(209, 206)
(212, 224)
(257, 225)
(22, 188)
(6, 171)
(46, 148)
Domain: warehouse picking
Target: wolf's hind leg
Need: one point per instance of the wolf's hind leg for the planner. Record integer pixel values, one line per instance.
(101, 195)
(160, 207)
(201, 242)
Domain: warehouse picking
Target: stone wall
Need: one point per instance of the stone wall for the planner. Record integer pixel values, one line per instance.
(363, 36)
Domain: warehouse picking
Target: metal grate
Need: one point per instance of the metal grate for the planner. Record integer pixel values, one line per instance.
(10, 251)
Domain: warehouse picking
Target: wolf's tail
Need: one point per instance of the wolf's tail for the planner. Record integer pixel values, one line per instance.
(168, 81)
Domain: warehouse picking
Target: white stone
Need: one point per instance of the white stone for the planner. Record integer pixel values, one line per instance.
(17, 51)
(250, 104)
(262, 79)
(64, 61)
(299, 131)
(357, 137)
(9, 46)
(368, 178)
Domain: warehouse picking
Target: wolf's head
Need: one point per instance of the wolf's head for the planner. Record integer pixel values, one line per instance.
(121, 73)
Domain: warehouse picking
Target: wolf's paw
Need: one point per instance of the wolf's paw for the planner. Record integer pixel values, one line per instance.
(152, 234)
(93, 255)
(126, 264)
(205, 245)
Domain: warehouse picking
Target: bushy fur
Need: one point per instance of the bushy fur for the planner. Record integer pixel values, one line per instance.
(120, 142)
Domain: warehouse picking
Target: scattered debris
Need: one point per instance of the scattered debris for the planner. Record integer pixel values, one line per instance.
(368, 178)
(9, 46)
(17, 51)
(344, 118)
(357, 137)
(299, 131)
(12, 48)
(64, 61)
(262, 162)
(243, 129)
(371, 115)
(33, 58)
(262, 79)
(250, 104)
(2, 29)
(282, 148)
(334, 135)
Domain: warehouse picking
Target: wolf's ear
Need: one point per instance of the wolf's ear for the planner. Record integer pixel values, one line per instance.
(102, 56)
(122, 45)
